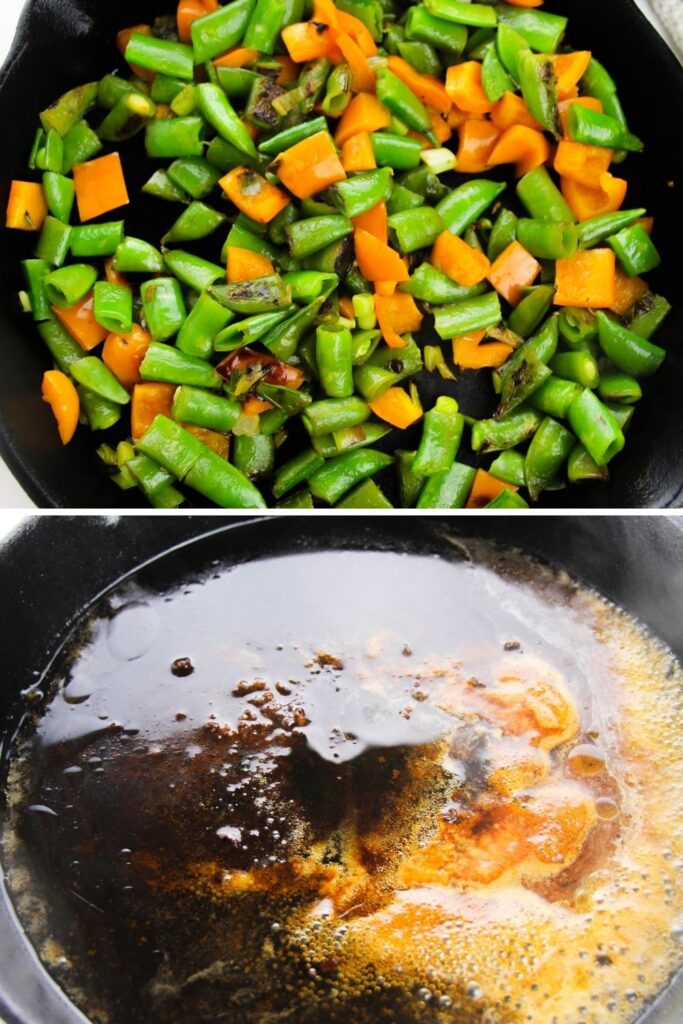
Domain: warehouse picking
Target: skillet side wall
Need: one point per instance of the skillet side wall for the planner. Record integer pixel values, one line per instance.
(62, 43)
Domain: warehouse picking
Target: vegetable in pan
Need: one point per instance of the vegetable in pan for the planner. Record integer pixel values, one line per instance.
(263, 350)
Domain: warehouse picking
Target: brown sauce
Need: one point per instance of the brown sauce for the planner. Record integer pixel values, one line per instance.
(355, 786)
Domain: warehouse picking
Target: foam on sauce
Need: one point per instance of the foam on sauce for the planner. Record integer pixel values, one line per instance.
(355, 786)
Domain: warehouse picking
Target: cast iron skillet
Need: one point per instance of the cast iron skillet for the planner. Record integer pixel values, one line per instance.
(62, 43)
(49, 570)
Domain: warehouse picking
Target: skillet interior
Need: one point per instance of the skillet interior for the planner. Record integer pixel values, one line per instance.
(62, 43)
(53, 579)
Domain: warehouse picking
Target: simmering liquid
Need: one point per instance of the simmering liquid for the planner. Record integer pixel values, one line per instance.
(355, 787)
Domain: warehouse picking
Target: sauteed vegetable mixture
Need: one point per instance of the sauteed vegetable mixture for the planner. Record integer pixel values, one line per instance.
(309, 149)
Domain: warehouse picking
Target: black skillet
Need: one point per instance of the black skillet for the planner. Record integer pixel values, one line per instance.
(61, 43)
(50, 576)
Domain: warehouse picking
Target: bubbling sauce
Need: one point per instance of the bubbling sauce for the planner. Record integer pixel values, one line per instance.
(355, 786)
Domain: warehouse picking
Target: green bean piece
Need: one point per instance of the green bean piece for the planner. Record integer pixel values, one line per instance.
(343, 472)
(554, 397)
(53, 242)
(494, 78)
(520, 384)
(443, 34)
(331, 414)
(416, 229)
(64, 350)
(192, 270)
(219, 31)
(135, 256)
(161, 55)
(496, 435)
(164, 308)
(441, 435)
(409, 483)
(385, 368)
(543, 31)
(334, 359)
(35, 272)
(471, 315)
(217, 109)
(80, 145)
(68, 285)
(59, 193)
(100, 413)
(509, 466)
(539, 89)
(366, 495)
(542, 198)
(578, 327)
(595, 427)
(254, 455)
(627, 350)
(206, 320)
(245, 332)
(510, 45)
(579, 366)
(581, 467)
(507, 500)
(362, 192)
(196, 221)
(395, 151)
(549, 449)
(635, 250)
(465, 204)
(447, 489)
(215, 412)
(647, 315)
(92, 373)
(167, 138)
(90, 241)
(113, 307)
(262, 295)
(595, 129)
(597, 229)
(69, 109)
(297, 471)
(167, 364)
(315, 233)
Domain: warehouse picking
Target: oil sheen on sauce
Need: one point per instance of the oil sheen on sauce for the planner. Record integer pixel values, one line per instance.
(355, 786)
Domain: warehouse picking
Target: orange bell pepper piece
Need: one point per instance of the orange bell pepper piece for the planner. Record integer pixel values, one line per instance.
(524, 147)
(463, 85)
(346, 307)
(309, 166)
(26, 207)
(569, 70)
(149, 401)
(385, 288)
(362, 75)
(254, 406)
(100, 186)
(357, 153)
(396, 407)
(375, 221)
(189, 11)
(485, 488)
(589, 102)
(477, 141)
(245, 265)
(308, 40)
(463, 264)
(589, 202)
(325, 13)
(627, 291)
(364, 113)
(62, 397)
(114, 276)
(123, 354)
(440, 125)
(397, 314)
(471, 353)
(377, 261)
(513, 271)
(355, 28)
(427, 88)
(587, 280)
(122, 40)
(79, 320)
(583, 164)
(511, 109)
(290, 70)
(253, 194)
(526, 3)
(218, 443)
(238, 57)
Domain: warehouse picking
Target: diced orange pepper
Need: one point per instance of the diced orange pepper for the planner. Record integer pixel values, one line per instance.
(254, 406)
(377, 261)
(310, 166)
(485, 488)
(245, 265)
(253, 194)
(290, 70)
(362, 75)
(385, 288)
(569, 70)
(123, 354)
(455, 117)
(526, 3)
(590, 202)
(62, 397)
(100, 186)
(346, 307)
(308, 40)
(477, 141)
(581, 163)
(522, 146)
(627, 290)
(589, 102)
(463, 85)
(149, 401)
(427, 88)
(189, 11)
(396, 407)
(587, 280)
(358, 154)
(238, 57)
(114, 276)
(122, 40)
(26, 207)
(440, 126)
(79, 320)
(511, 109)
(462, 263)
(397, 315)
(471, 353)
(375, 221)
(364, 114)
(326, 13)
(513, 271)
(355, 28)
(218, 443)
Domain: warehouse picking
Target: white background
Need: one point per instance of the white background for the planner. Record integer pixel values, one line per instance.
(11, 494)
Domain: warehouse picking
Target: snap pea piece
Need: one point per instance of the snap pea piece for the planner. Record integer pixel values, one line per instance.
(192, 270)
(222, 29)
(385, 368)
(62, 115)
(206, 320)
(409, 483)
(297, 471)
(543, 31)
(548, 240)
(51, 156)
(254, 455)
(315, 233)
(164, 307)
(529, 313)
(291, 136)
(343, 472)
(597, 229)
(463, 13)
(366, 495)
(448, 489)
(595, 427)
(465, 204)
(62, 347)
(100, 413)
(196, 221)
(164, 88)
(507, 500)
(581, 467)
(627, 350)
(509, 466)
(403, 103)
(92, 373)
(262, 295)
(539, 89)
(362, 192)
(496, 435)
(89, 241)
(503, 234)
(494, 78)
(337, 91)
(416, 229)
(204, 409)
(595, 129)
(60, 193)
(161, 186)
(35, 272)
(165, 363)
(331, 414)
(510, 45)
(619, 387)
(161, 55)
(647, 315)
(542, 198)
(131, 114)
(135, 256)
(623, 414)
(554, 397)
(301, 500)
(167, 138)
(402, 198)
(349, 439)
(578, 327)
(245, 332)
(433, 286)
(635, 250)
(548, 451)
(53, 242)
(113, 307)
(441, 435)
(442, 34)
(520, 384)
(471, 315)
(580, 366)
(422, 56)
(397, 151)
(216, 108)
(68, 285)
(81, 144)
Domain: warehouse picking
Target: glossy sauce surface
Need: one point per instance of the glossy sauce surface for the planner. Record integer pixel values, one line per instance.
(355, 786)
